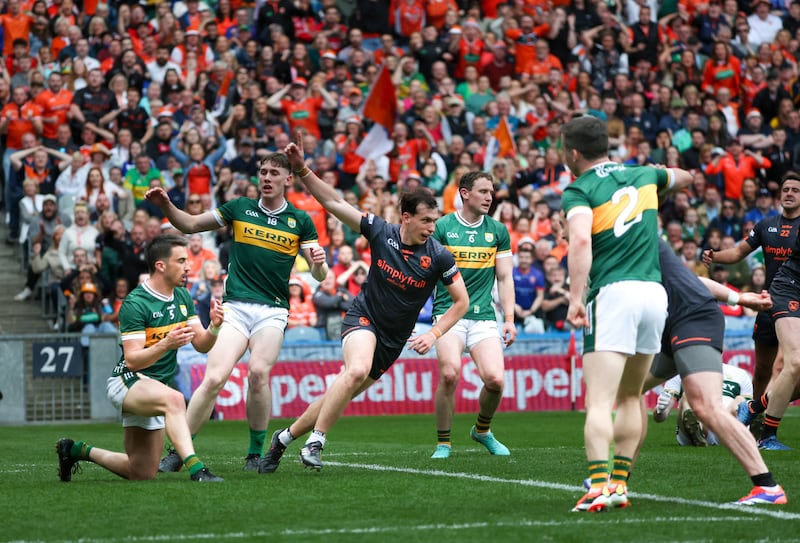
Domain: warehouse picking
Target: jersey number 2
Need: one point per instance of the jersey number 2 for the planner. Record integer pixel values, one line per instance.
(620, 226)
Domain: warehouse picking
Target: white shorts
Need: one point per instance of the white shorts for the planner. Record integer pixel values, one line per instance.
(472, 332)
(117, 391)
(626, 317)
(249, 318)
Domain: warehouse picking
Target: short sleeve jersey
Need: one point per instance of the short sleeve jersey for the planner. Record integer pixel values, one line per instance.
(146, 314)
(400, 280)
(736, 382)
(264, 248)
(776, 236)
(623, 201)
(475, 247)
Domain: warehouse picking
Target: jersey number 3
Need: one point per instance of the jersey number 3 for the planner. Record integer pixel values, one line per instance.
(620, 226)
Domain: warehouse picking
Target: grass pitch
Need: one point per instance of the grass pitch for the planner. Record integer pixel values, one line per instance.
(380, 484)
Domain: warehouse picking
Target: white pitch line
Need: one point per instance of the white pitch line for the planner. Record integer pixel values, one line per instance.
(594, 521)
(754, 510)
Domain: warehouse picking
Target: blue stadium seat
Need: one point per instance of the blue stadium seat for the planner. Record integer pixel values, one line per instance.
(303, 334)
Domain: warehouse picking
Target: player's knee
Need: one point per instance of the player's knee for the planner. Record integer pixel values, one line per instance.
(707, 410)
(214, 383)
(142, 473)
(257, 378)
(356, 375)
(175, 403)
(449, 377)
(494, 382)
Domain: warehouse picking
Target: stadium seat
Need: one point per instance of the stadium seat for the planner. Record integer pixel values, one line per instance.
(303, 334)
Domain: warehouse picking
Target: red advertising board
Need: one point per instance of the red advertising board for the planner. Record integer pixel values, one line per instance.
(533, 383)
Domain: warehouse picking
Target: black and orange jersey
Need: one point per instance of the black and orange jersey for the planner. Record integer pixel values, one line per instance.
(777, 237)
(401, 279)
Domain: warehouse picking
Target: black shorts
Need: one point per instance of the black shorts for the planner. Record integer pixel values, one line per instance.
(785, 293)
(764, 330)
(686, 361)
(701, 328)
(384, 355)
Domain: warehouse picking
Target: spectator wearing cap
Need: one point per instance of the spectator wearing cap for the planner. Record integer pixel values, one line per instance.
(302, 111)
(499, 66)
(458, 119)
(755, 134)
(350, 105)
(301, 307)
(246, 161)
(763, 24)
(468, 48)
(767, 99)
(192, 43)
(675, 120)
(765, 207)
(85, 313)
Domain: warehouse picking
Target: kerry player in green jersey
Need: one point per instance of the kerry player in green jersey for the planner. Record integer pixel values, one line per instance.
(482, 249)
(268, 234)
(611, 212)
(156, 319)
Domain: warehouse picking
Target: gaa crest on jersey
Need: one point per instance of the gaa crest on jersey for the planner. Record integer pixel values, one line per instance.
(489, 237)
(291, 222)
(793, 305)
(425, 262)
(183, 310)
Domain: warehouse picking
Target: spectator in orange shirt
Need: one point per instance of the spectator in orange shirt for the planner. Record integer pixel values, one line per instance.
(55, 102)
(736, 166)
(542, 62)
(301, 308)
(195, 256)
(302, 111)
(525, 39)
(15, 24)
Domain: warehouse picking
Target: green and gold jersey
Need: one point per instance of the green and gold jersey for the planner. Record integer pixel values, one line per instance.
(623, 202)
(475, 247)
(265, 245)
(146, 314)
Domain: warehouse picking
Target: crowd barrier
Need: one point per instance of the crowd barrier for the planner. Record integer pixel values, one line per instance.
(49, 378)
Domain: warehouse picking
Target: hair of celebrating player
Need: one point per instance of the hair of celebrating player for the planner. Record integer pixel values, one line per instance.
(587, 135)
(410, 201)
(161, 249)
(467, 180)
(279, 160)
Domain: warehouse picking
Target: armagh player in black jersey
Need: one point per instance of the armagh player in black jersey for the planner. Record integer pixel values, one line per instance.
(776, 236)
(406, 265)
(692, 348)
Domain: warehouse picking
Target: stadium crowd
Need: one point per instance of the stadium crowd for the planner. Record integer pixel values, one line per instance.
(102, 101)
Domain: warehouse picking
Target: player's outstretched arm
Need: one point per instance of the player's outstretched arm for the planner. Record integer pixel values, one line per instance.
(186, 223)
(758, 301)
(319, 189)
